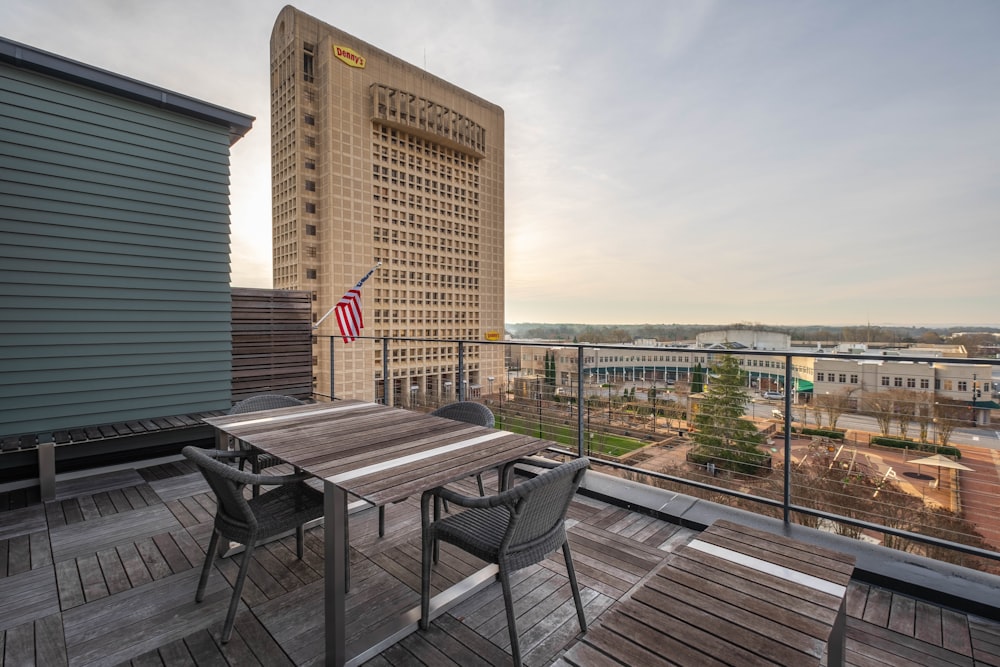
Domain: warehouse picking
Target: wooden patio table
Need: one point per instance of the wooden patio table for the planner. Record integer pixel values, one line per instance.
(382, 455)
(732, 596)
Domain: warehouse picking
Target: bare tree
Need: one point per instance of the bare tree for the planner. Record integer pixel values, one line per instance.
(947, 417)
(924, 416)
(834, 404)
(879, 404)
(905, 407)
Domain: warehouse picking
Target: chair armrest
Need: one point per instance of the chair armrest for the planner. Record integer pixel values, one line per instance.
(278, 480)
(463, 500)
(508, 468)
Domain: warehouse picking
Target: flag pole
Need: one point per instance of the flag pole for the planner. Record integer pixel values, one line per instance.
(358, 286)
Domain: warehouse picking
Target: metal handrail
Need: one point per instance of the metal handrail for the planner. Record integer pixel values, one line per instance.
(785, 505)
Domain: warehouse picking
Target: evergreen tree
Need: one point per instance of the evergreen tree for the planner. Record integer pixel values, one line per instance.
(723, 436)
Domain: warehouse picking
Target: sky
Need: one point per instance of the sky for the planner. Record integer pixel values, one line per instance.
(785, 162)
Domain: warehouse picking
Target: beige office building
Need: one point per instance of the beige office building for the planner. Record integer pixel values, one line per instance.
(376, 160)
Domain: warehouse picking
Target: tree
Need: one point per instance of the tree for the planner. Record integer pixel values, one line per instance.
(878, 404)
(905, 407)
(834, 405)
(697, 378)
(722, 436)
(947, 417)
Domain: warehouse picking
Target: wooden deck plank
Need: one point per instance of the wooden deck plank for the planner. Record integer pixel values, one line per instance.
(902, 615)
(955, 633)
(879, 643)
(125, 625)
(28, 596)
(89, 537)
(50, 645)
(17, 522)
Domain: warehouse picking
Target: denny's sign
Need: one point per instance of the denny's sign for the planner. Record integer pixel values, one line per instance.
(349, 56)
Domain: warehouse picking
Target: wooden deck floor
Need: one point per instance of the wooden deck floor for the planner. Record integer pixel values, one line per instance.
(106, 575)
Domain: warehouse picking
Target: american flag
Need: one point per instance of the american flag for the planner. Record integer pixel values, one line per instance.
(348, 314)
(348, 311)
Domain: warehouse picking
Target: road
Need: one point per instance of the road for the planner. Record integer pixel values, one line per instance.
(988, 438)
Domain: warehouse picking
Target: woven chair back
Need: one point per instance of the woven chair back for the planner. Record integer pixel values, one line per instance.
(467, 411)
(541, 508)
(264, 402)
(227, 482)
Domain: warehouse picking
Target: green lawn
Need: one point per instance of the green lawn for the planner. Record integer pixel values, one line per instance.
(603, 443)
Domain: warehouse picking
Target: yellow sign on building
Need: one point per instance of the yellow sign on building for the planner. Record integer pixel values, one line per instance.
(492, 335)
(349, 56)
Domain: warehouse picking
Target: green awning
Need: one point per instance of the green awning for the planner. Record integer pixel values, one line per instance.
(803, 385)
(986, 405)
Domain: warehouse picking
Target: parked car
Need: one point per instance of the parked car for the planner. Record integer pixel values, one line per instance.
(773, 395)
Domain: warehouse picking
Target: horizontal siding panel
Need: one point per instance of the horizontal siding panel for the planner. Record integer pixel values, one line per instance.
(18, 207)
(114, 284)
(111, 191)
(59, 104)
(31, 158)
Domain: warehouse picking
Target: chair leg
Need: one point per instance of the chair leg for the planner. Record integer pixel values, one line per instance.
(479, 480)
(210, 555)
(300, 534)
(571, 571)
(381, 520)
(508, 602)
(227, 628)
(347, 549)
(425, 579)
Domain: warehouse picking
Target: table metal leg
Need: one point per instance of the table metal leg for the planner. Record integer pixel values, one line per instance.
(334, 512)
(836, 648)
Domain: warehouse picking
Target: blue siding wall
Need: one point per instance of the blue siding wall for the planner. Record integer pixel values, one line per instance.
(114, 258)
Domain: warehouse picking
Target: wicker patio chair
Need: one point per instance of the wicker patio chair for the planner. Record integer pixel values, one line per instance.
(513, 529)
(463, 411)
(263, 402)
(249, 522)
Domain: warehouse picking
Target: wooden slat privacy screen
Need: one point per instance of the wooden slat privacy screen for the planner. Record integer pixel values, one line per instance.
(272, 342)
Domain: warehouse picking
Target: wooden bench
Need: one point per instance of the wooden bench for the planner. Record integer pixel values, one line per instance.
(733, 595)
(43, 445)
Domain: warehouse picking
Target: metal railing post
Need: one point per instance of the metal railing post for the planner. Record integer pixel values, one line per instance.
(461, 371)
(385, 372)
(333, 396)
(787, 498)
(580, 435)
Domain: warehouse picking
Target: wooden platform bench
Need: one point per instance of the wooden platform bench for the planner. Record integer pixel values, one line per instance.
(42, 447)
(733, 595)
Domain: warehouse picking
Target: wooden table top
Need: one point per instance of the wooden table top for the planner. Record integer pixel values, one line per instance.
(375, 452)
(732, 596)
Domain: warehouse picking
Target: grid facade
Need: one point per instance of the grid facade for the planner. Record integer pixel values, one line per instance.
(375, 160)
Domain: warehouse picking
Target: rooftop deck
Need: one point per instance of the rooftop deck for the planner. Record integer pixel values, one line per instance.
(106, 574)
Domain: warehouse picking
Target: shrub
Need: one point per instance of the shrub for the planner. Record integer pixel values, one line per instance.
(899, 443)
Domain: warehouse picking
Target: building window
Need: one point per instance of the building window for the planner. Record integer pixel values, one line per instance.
(310, 164)
(310, 186)
(310, 207)
(963, 385)
(819, 377)
(310, 230)
(854, 378)
(924, 383)
(309, 119)
(842, 378)
(947, 385)
(311, 274)
(911, 383)
(897, 382)
(885, 380)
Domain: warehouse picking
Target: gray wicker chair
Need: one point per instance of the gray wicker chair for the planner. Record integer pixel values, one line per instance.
(249, 522)
(263, 402)
(513, 529)
(463, 411)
